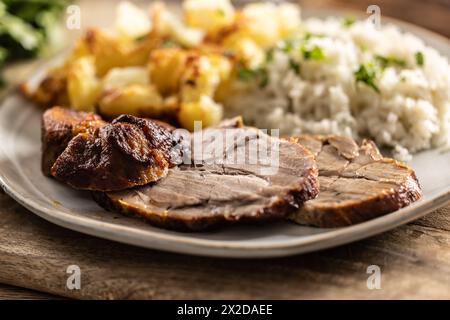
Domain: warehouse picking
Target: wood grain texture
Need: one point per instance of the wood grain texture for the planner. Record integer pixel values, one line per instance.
(414, 260)
(16, 293)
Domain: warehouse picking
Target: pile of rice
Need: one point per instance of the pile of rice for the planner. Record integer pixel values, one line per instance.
(409, 112)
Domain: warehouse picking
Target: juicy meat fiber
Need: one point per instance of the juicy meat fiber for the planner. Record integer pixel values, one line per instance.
(126, 153)
(198, 196)
(356, 183)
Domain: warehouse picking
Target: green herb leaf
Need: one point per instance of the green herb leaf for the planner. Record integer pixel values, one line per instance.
(28, 28)
(294, 66)
(264, 78)
(287, 46)
(308, 35)
(384, 62)
(247, 75)
(420, 59)
(269, 55)
(315, 53)
(348, 21)
(367, 75)
(3, 55)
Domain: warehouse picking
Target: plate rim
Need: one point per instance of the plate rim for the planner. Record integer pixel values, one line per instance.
(222, 248)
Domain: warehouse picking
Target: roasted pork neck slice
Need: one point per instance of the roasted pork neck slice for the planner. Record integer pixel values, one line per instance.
(216, 188)
(356, 183)
(59, 126)
(94, 155)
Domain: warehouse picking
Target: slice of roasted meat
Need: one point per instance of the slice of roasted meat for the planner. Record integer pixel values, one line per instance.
(223, 187)
(123, 154)
(356, 183)
(59, 126)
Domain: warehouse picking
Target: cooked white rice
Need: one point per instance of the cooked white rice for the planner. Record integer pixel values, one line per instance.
(411, 111)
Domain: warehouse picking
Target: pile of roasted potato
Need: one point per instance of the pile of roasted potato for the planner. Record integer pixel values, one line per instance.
(164, 66)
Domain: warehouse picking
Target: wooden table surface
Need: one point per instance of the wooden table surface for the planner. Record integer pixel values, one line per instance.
(414, 259)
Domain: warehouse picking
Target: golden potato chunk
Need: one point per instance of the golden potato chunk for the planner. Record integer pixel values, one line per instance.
(137, 100)
(122, 77)
(166, 66)
(131, 22)
(204, 110)
(209, 15)
(112, 52)
(82, 84)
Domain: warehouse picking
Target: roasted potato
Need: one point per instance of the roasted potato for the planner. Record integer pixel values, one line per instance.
(122, 77)
(205, 110)
(163, 65)
(201, 80)
(51, 91)
(112, 52)
(168, 25)
(131, 22)
(135, 99)
(203, 75)
(208, 15)
(166, 66)
(247, 50)
(83, 85)
(265, 24)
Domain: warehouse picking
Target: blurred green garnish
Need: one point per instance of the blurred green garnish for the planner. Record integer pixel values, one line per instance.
(294, 66)
(420, 59)
(385, 61)
(3, 54)
(314, 53)
(348, 21)
(288, 45)
(28, 27)
(259, 75)
(366, 74)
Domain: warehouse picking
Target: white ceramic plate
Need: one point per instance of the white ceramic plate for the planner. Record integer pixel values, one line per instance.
(21, 177)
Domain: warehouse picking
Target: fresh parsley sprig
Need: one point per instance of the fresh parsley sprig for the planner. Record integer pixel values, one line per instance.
(246, 74)
(385, 61)
(313, 53)
(420, 59)
(367, 74)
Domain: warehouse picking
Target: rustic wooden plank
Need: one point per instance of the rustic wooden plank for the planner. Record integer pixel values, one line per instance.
(15, 293)
(414, 259)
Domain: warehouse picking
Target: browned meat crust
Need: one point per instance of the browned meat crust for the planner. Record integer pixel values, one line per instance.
(125, 153)
(356, 183)
(202, 196)
(59, 126)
